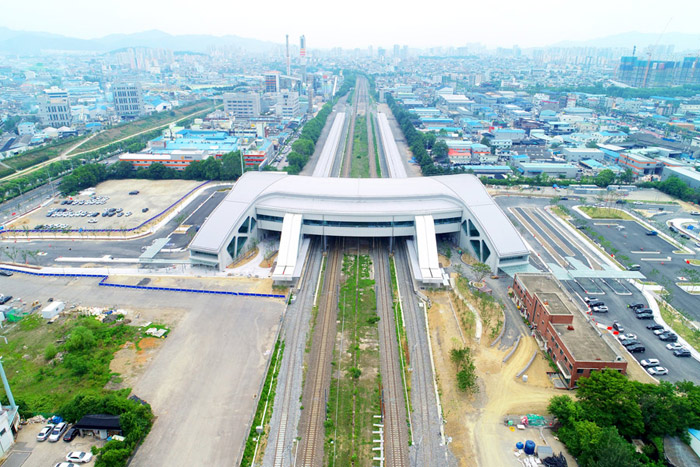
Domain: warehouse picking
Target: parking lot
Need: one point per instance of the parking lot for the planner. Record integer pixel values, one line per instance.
(553, 244)
(202, 383)
(45, 453)
(88, 210)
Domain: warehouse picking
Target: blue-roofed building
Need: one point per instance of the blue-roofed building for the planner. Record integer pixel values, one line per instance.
(431, 122)
(426, 112)
(518, 158)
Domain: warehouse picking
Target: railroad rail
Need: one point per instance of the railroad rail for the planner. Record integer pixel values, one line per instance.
(318, 375)
(394, 406)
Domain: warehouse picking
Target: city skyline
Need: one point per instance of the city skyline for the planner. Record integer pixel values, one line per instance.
(454, 24)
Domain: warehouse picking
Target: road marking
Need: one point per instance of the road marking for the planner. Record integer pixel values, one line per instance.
(668, 258)
(646, 252)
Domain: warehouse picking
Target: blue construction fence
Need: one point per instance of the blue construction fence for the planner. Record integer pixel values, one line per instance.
(28, 231)
(103, 282)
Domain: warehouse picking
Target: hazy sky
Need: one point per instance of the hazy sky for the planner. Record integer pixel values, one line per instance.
(360, 23)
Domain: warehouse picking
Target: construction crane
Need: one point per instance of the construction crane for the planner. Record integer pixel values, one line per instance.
(646, 70)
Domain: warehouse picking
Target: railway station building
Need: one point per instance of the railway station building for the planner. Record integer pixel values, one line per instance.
(296, 208)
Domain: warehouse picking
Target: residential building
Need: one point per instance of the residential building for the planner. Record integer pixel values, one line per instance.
(288, 105)
(26, 128)
(513, 134)
(574, 344)
(128, 100)
(54, 107)
(242, 104)
(272, 81)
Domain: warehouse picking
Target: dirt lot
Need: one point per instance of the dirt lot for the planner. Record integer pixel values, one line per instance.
(156, 195)
(235, 284)
(475, 422)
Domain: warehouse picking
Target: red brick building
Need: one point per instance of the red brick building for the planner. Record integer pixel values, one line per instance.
(575, 345)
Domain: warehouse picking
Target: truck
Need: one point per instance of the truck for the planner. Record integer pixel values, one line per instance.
(52, 309)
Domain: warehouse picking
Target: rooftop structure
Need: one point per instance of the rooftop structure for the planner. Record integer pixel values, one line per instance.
(575, 345)
(300, 206)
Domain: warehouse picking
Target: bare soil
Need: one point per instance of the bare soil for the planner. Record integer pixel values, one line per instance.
(475, 422)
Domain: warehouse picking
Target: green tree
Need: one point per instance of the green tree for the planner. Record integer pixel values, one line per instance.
(231, 165)
(303, 146)
(81, 338)
(608, 398)
(592, 145)
(212, 168)
(604, 178)
(480, 271)
(440, 150)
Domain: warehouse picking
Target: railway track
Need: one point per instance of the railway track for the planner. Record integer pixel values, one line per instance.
(360, 93)
(318, 375)
(294, 360)
(393, 401)
(426, 421)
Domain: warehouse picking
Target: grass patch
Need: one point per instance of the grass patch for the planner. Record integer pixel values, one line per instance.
(606, 213)
(359, 164)
(150, 122)
(41, 154)
(376, 150)
(695, 262)
(48, 364)
(680, 324)
(404, 355)
(263, 413)
(355, 391)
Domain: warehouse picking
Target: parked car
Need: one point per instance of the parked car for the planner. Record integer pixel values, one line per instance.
(5, 298)
(657, 371)
(643, 310)
(681, 352)
(43, 435)
(634, 306)
(5, 273)
(134, 192)
(80, 457)
(630, 342)
(652, 232)
(636, 348)
(645, 316)
(618, 327)
(57, 432)
(669, 337)
(660, 331)
(65, 464)
(70, 434)
(650, 362)
(634, 267)
(600, 309)
(591, 304)
(674, 346)
(144, 210)
(654, 326)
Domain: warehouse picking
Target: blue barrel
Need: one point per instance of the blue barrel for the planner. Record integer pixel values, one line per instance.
(529, 447)
(519, 445)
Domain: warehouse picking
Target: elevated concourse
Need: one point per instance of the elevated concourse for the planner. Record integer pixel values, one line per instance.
(262, 203)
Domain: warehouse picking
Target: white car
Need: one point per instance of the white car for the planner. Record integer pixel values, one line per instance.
(65, 464)
(658, 332)
(57, 432)
(600, 309)
(674, 346)
(45, 432)
(657, 371)
(79, 457)
(649, 362)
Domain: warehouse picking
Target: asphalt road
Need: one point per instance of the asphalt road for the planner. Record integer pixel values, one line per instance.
(679, 369)
(647, 251)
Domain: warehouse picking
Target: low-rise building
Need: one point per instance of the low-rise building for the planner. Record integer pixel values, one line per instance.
(687, 175)
(578, 154)
(553, 170)
(575, 345)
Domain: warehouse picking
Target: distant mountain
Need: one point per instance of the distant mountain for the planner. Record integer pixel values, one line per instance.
(26, 42)
(681, 41)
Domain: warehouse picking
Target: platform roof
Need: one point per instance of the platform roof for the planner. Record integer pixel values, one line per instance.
(356, 198)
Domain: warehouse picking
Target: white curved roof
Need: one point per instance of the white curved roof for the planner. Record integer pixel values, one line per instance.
(360, 197)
